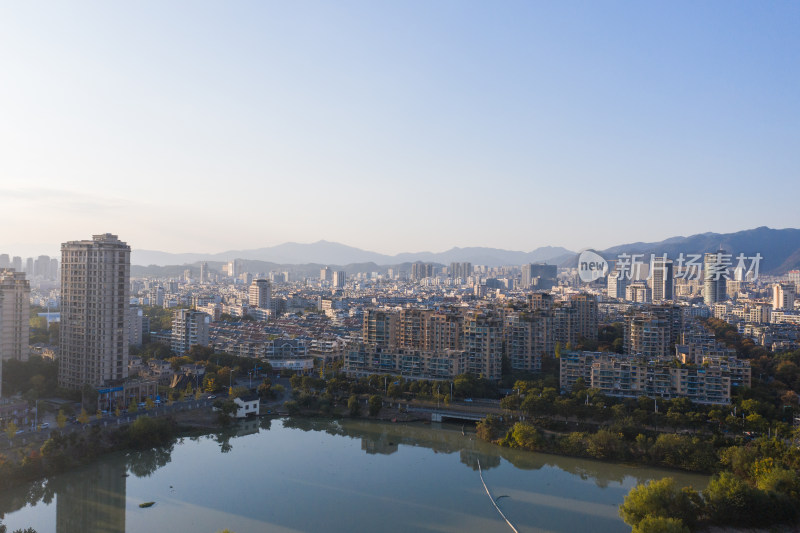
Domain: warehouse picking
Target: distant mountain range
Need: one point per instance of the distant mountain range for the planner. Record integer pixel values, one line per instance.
(332, 253)
(780, 249)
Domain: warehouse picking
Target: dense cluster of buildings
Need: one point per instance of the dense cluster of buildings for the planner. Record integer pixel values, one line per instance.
(446, 341)
(420, 321)
(694, 365)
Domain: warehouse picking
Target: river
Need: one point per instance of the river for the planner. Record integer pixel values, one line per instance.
(332, 476)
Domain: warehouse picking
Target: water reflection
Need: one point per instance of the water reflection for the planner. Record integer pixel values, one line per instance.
(143, 463)
(386, 438)
(95, 500)
(91, 498)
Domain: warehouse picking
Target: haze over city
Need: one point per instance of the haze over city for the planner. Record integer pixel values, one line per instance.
(395, 127)
(451, 265)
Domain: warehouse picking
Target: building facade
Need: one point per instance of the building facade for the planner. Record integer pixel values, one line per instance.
(189, 328)
(15, 305)
(260, 293)
(95, 289)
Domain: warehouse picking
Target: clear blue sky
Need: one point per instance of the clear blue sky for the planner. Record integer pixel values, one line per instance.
(396, 126)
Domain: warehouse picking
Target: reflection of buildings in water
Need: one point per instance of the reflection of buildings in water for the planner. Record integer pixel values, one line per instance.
(248, 426)
(471, 458)
(92, 501)
(381, 444)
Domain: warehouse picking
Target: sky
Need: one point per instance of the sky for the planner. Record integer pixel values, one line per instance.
(395, 126)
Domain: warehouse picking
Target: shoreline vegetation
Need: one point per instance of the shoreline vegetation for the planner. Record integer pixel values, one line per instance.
(749, 446)
(754, 483)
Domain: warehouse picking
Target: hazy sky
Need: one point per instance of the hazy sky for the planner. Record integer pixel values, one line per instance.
(395, 126)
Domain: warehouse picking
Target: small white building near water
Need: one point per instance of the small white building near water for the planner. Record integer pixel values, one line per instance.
(247, 405)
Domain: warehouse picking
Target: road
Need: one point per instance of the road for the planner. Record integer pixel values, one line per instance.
(31, 436)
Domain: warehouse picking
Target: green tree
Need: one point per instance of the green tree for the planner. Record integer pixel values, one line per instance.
(61, 419)
(375, 405)
(149, 404)
(11, 430)
(226, 409)
(525, 436)
(489, 428)
(730, 500)
(661, 498)
(83, 418)
(660, 524)
(353, 405)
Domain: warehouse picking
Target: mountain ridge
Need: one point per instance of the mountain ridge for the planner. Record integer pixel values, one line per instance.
(780, 249)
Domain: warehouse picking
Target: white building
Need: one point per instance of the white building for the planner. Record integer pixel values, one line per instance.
(783, 296)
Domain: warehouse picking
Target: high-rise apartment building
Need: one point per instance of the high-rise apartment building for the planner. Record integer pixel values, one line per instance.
(653, 331)
(326, 274)
(5, 261)
(339, 279)
(661, 279)
(41, 267)
(260, 293)
(539, 276)
(422, 270)
(15, 306)
(460, 270)
(715, 274)
(617, 284)
(794, 278)
(95, 290)
(783, 295)
(189, 328)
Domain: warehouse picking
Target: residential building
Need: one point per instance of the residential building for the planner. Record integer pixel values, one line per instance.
(632, 376)
(15, 294)
(339, 279)
(460, 270)
(653, 331)
(260, 294)
(539, 276)
(189, 328)
(661, 279)
(715, 274)
(95, 288)
(617, 283)
(783, 295)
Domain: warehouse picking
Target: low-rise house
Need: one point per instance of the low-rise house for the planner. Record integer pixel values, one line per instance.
(247, 405)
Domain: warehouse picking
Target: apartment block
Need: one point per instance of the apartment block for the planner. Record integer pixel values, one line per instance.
(95, 288)
(15, 293)
(189, 328)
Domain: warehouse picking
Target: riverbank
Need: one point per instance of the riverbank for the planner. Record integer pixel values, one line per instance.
(256, 474)
(691, 453)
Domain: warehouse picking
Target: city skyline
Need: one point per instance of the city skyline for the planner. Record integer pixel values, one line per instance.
(364, 123)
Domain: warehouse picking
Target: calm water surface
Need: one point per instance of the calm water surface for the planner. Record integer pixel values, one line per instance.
(322, 475)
